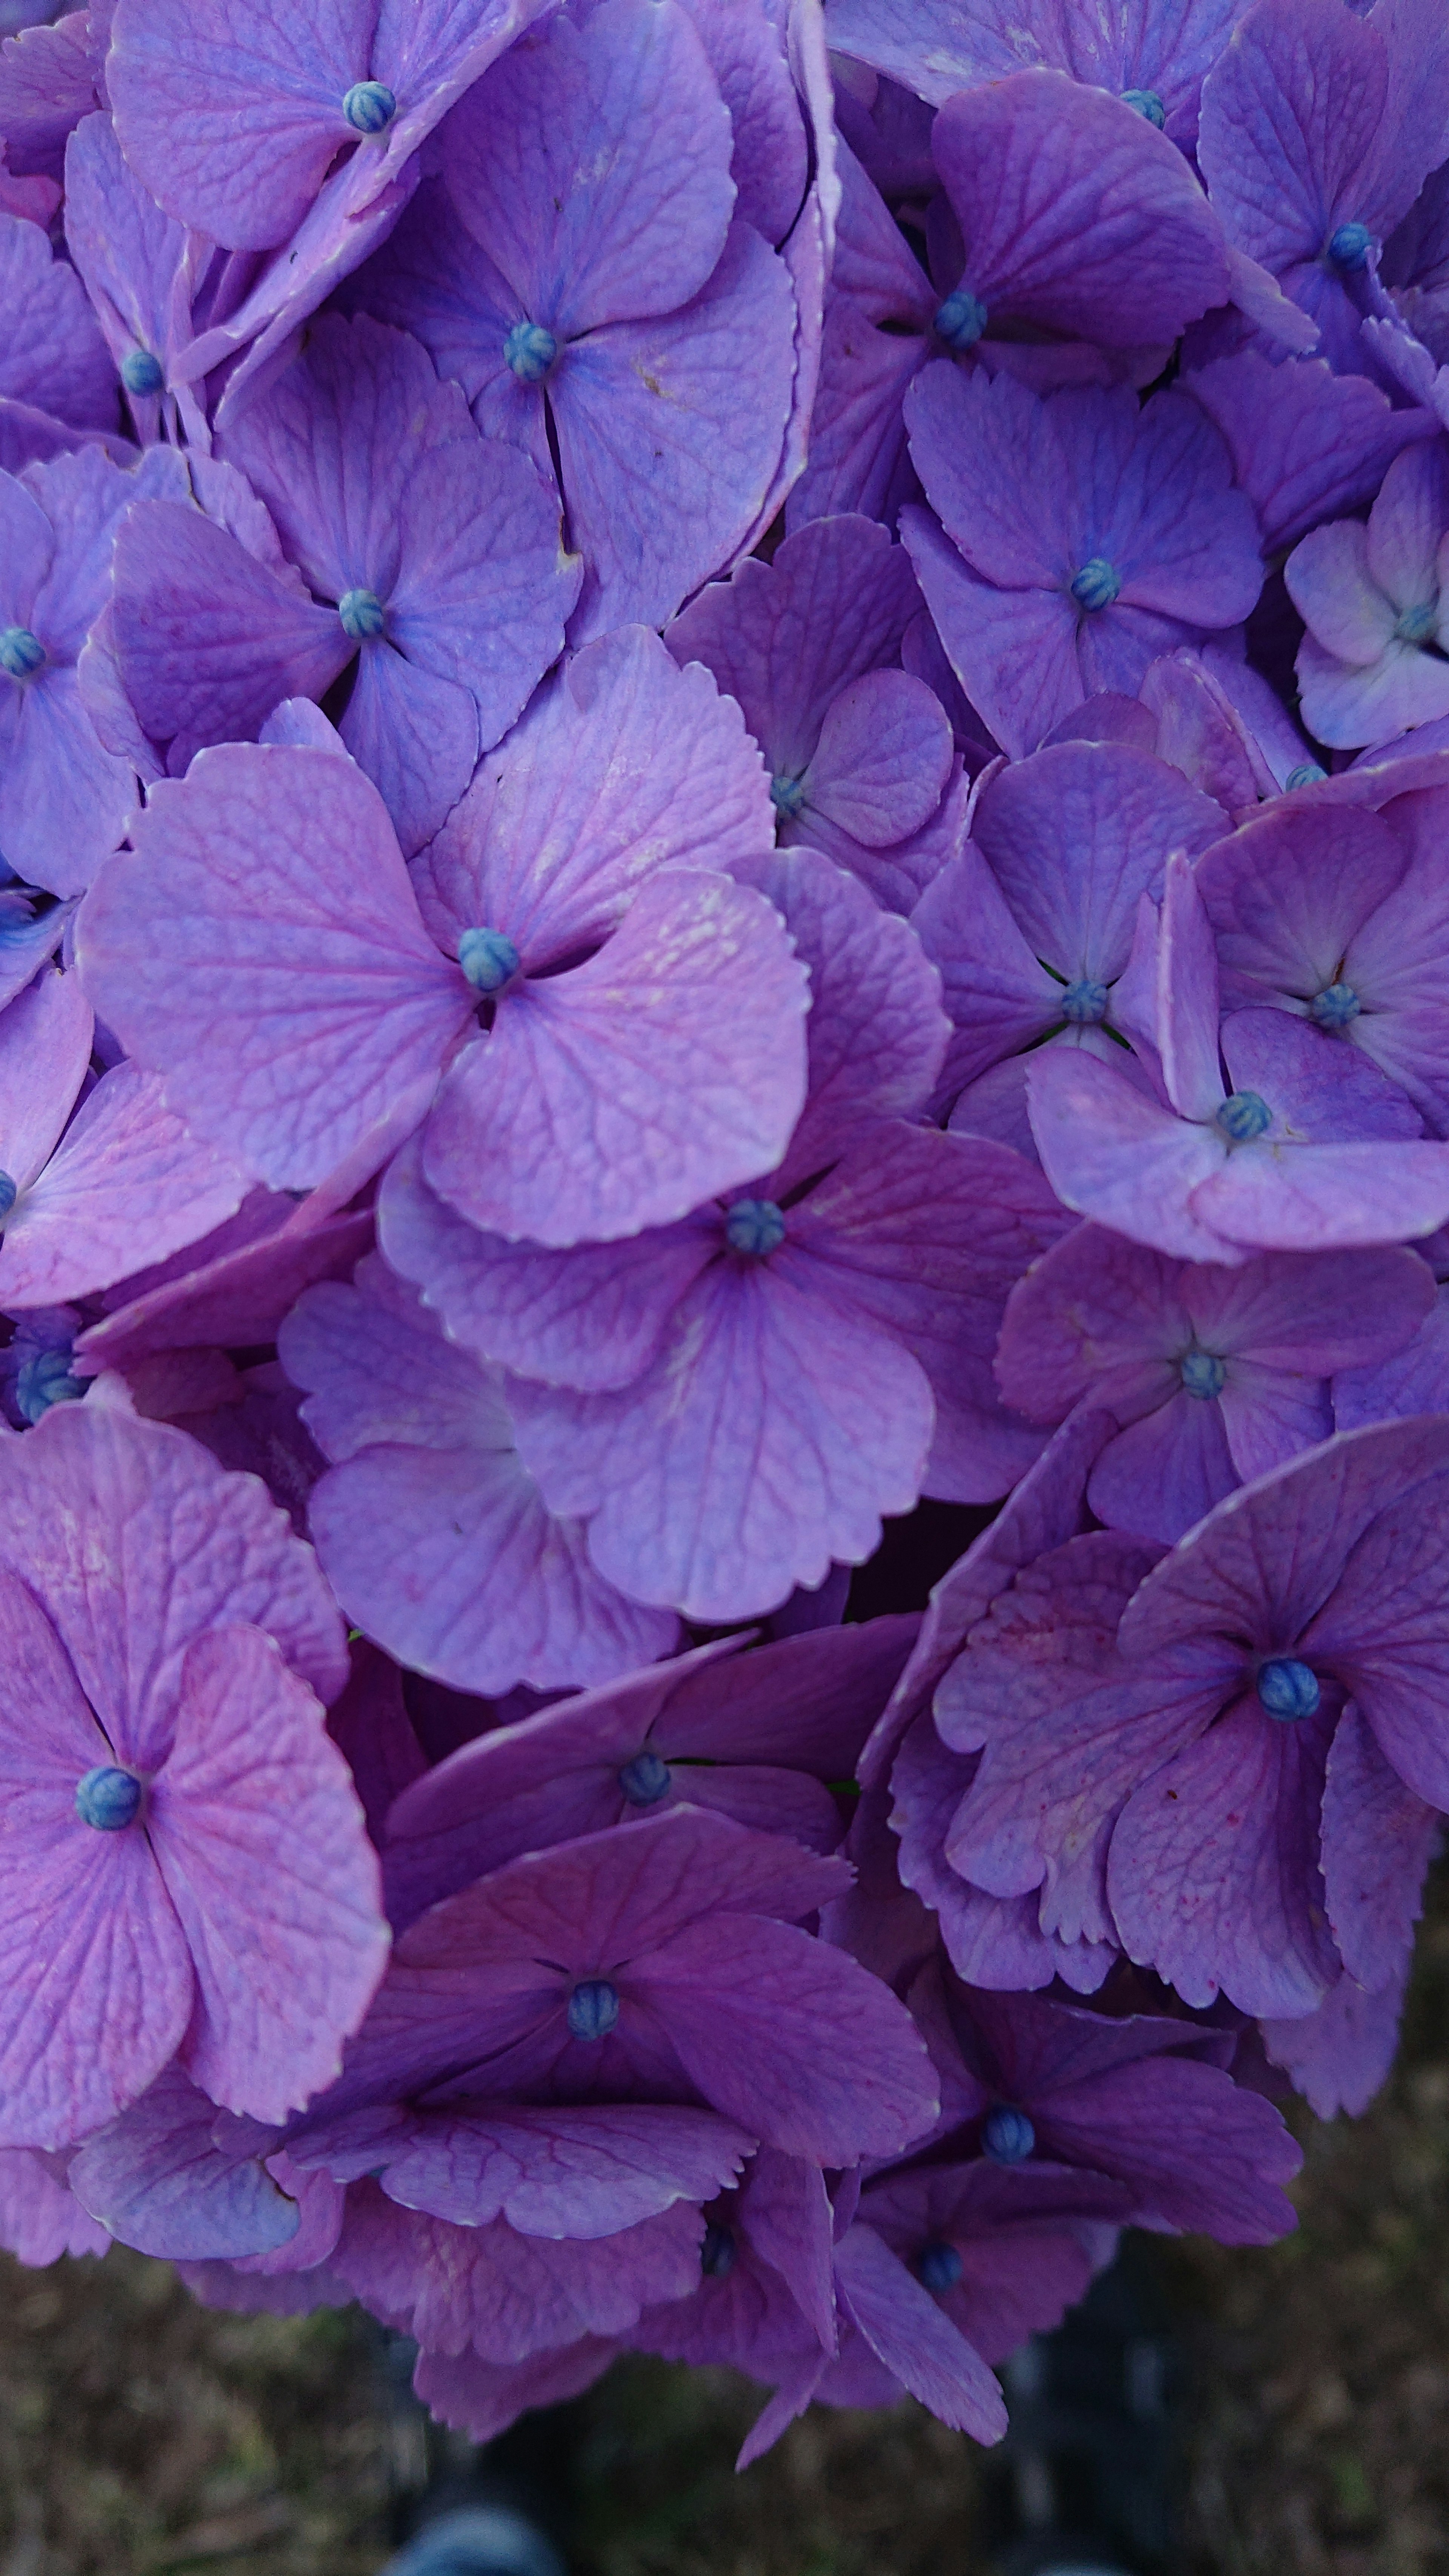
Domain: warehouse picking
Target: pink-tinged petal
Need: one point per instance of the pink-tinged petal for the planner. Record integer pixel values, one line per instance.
(228, 1297)
(667, 1069)
(592, 165)
(1213, 1871)
(581, 2172)
(882, 760)
(1114, 1154)
(128, 1184)
(1336, 595)
(40, 2218)
(622, 766)
(1096, 1313)
(1378, 1840)
(207, 638)
(262, 950)
(45, 1048)
(97, 1985)
(915, 2339)
(1075, 213)
(53, 353)
(166, 2178)
(135, 1542)
(1340, 2056)
(1134, 2128)
(1014, 652)
(1306, 444)
(260, 1839)
(788, 2036)
(1168, 1469)
(670, 435)
(482, 2398)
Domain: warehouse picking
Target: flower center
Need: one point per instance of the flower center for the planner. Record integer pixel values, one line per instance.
(717, 2253)
(1096, 585)
(755, 1226)
(593, 2008)
(1287, 1689)
(43, 1380)
(530, 351)
(645, 1779)
(369, 107)
(363, 615)
(1417, 624)
(1007, 2135)
(938, 2267)
(1148, 104)
(1349, 246)
(488, 959)
(1244, 1115)
(108, 1799)
(1307, 774)
(961, 320)
(1202, 1374)
(21, 653)
(787, 795)
(1335, 1006)
(141, 373)
(1085, 1002)
(9, 1193)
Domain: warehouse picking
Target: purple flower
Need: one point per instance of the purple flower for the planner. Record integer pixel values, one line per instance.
(184, 1818)
(1240, 1784)
(1215, 1374)
(139, 270)
(734, 1402)
(429, 1527)
(434, 559)
(581, 277)
(859, 752)
(1080, 536)
(576, 842)
(1372, 663)
(1305, 443)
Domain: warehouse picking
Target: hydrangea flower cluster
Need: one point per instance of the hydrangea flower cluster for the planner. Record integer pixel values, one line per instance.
(724, 797)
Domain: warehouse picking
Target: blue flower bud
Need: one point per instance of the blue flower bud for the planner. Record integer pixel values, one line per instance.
(141, 373)
(1084, 1003)
(488, 959)
(9, 1193)
(1334, 1007)
(1417, 624)
(961, 320)
(938, 2267)
(1202, 1374)
(1307, 774)
(363, 615)
(1244, 1115)
(645, 1779)
(755, 1226)
(1096, 585)
(1148, 104)
(530, 350)
(593, 2008)
(1287, 1689)
(43, 1380)
(717, 2253)
(369, 107)
(787, 795)
(108, 1799)
(21, 653)
(1007, 2135)
(1350, 245)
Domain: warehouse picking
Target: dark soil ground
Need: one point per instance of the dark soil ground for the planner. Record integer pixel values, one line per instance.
(142, 2436)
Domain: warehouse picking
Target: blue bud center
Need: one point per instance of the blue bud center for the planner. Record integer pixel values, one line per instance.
(1307, 774)
(363, 615)
(1244, 1115)
(593, 2008)
(1007, 2135)
(1287, 1689)
(938, 2267)
(787, 795)
(21, 653)
(961, 320)
(717, 2253)
(530, 350)
(1096, 585)
(1202, 1374)
(488, 959)
(1148, 104)
(1349, 246)
(1334, 1007)
(141, 373)
(755, 1226)
(9, 1193)
(108, 1799)
(1085, 1003)
(369, 107)
(43, 1380)
(645, 1779)
(1417, 624)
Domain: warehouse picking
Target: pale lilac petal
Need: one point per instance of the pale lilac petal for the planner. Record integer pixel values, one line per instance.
(1114, 1154)
(167, 2179)
(53, 354)
(128, 1185)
